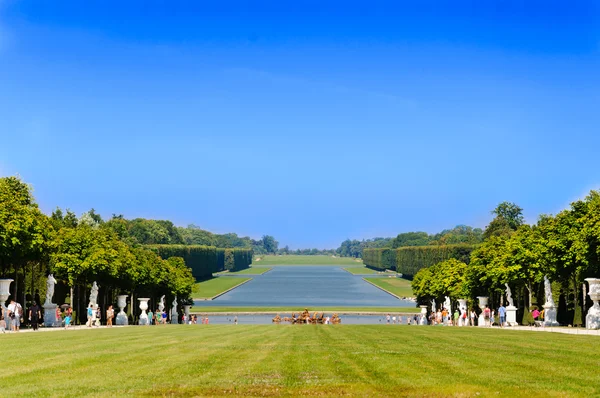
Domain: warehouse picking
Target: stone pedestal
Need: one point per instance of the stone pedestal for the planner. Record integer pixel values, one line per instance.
(4, 294)
(550, 315)
(143, 306)
(50, 316)
(592, 319)
(483, 301)
(511, 316)
(423, 317)
(122, 316)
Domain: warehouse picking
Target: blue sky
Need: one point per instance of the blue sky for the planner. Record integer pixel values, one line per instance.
(311, 122)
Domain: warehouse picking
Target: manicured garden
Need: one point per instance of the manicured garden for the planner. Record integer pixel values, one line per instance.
(215, 286)
(398, 286)
(361, 270)
(296, 360)
(293, 259)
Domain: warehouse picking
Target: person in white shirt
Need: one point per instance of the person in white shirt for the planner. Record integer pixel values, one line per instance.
(15, 312)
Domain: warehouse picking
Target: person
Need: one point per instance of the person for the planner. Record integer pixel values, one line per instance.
(542, 315)
(58, 314)
(502, 314)
(492, 317)
(98, 316)
(163, 317)
(387, 319)
(394, 320)
(110, 314)
(2, 324)
(68, 317)
(456, 315)
(535, 314)
(486, 315)
(183, 319)
(15, 311)
(445, 316)
(150, 317)
(235, 320)
(90, 314)
(34, 315)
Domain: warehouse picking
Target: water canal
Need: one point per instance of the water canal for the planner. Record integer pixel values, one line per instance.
(306, 286)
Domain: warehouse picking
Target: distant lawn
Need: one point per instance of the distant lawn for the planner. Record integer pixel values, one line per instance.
(360, 270)
(300, 360)
(398, 286)
(248, 271)
(201, 309)
(215, 286)
(304, 260)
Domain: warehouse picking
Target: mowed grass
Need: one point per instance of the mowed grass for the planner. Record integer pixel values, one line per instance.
(215, 286)
(248, 271)
(300, 360)
(398, 286)
(361, 270)
(305, 260)
(199, 309)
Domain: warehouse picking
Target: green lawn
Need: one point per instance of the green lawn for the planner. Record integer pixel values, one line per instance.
(360, 270)
(398, 286)
(248, 271)
(304, 260)
(293, 360)
(289, 310)
(215, 286)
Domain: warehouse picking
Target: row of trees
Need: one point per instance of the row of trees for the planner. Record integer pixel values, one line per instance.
(81, 250)
(564, 247)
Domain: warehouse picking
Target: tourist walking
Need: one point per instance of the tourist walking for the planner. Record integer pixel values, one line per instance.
(34, 315)
(150, 317)
(90, 315)
(68, 317)
(438, 317)
(456, 316)
(2, 324)
(472, 315)
(387, 319)
(445, 316)
(502, 315)
(110, 314)
(98, 317)
(15, 312)
(535, 314)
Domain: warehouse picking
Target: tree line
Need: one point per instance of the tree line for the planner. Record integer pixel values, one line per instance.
(564, 247)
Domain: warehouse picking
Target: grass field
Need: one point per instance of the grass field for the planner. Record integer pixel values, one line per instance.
(305, 260)
(248, 271)
(215, 286)
(289, 310)
(398, 286)
(360, 270)
(301, 360)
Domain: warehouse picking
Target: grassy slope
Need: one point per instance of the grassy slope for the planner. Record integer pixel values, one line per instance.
(268, 360)
(215, 286)
(398, 286)
(289, 310)
(248, 271)
(305, 260)
(360, 270)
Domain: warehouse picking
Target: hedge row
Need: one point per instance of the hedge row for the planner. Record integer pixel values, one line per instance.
(233, 259)
(409, 260)
(380, 259)
(201, 259)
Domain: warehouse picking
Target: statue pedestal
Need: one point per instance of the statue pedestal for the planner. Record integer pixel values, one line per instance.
(50, 316)
(511, 316)
(550, 315)
(174, 317)
(592, 319)
(481, 321)
(122, 319)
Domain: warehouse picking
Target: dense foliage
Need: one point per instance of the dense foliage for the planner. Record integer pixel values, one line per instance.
(565, 248)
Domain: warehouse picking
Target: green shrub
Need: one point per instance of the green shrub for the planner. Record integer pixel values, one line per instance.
(380, 259)
(201, 259)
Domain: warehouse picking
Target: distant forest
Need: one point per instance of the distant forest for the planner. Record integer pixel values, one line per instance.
(148, 232)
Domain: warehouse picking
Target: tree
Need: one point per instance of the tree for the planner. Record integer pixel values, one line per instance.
(270, 244)
(512, 213)
(411, 239)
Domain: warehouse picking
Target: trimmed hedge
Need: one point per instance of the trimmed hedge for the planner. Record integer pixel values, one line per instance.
(234, 259)
(380, 259)
(201, 259)
(411, 259)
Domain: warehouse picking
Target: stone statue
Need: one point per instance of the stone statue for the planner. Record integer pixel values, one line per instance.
(433, 305)
(174, 314)
(509, 296)
(161, 304)
(50, 282)
(548, 291)
(447, 304)
(94, 295)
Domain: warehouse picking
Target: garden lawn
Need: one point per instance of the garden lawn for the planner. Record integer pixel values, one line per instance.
(215, 286)
(305, 260)
(360, 270)
(297, 360)
(248, 271)
(398, 286)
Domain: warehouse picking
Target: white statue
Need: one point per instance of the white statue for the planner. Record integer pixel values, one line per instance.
(548, 291)
(161, 304)
(94, 295)
(509, 296)
(50, 282)
(433, 305)
(447, 304)
(174, 314)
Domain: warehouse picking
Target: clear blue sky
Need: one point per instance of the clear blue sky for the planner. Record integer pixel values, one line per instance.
(311, 121)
